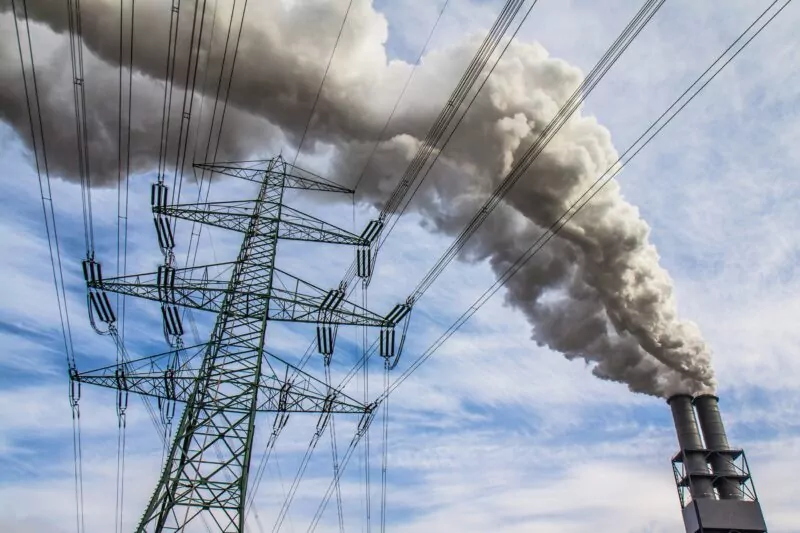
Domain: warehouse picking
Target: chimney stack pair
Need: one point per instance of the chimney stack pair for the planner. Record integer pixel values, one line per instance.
(723, 499)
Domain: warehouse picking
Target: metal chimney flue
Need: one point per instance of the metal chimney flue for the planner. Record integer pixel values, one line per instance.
(737, 509)
(699, 478)
(721, 458)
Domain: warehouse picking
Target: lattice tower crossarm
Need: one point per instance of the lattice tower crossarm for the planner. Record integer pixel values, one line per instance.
(293, 224)
(171, 376)
(291, 300)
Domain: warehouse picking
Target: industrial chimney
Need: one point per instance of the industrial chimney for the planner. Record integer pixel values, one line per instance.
(721, 497)
(722, 457)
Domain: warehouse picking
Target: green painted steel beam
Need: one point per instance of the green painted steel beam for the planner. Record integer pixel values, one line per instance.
(291, 300)
(236, 215)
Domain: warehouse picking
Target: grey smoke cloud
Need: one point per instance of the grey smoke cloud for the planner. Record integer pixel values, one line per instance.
(596, 292)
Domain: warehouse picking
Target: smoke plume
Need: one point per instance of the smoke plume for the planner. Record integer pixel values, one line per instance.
(596, 292)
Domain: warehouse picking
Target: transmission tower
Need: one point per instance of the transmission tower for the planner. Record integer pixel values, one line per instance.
(237, 376)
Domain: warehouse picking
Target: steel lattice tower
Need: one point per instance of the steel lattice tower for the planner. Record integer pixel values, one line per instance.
(238, 377)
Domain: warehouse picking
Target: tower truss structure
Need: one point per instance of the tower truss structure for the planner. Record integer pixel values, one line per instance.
(227, 380)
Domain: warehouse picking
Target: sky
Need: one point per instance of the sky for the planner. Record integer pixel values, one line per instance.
(493, 433)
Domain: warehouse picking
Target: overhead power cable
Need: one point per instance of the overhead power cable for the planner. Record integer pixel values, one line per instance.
(278, 424)
(204, 90)
(81, 134)
(363, 427)
(457, 98)
(39, 149)
(169, 83)
(189, 85)
(335, 456)
(296, 482)
(380, 138)
(230, 78)
(124, 146)
(385, 446)
(198, 233)
(750, 33)
(322, 82)
(122, 236)
(194, 235)
(367, 473)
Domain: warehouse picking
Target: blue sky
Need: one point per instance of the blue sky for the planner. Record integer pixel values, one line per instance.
(493, 433)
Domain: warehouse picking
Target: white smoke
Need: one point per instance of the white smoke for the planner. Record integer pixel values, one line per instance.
(596, 292)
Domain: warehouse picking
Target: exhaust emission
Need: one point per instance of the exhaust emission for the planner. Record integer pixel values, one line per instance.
(598, 292)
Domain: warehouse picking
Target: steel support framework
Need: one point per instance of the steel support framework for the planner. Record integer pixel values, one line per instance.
(220, 411)
(236, 376)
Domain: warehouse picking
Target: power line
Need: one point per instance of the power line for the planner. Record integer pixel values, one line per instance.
(457, 98)
(169, 78)
(195, 226)
(43, 174)
(205, 80)
(322, 83)
(54, 248)
(385, 446)
(441, 126)
(230, 79)
(400, 96)
(335, 455)
(221, 122)
(367, 474)
(81, 135)
(362, 428)
(188, 93)
(121, 263)
(127, 161)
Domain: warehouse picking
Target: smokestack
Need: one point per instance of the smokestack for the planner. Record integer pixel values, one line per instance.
(737, 510)
(722, 457)
(698, 475)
